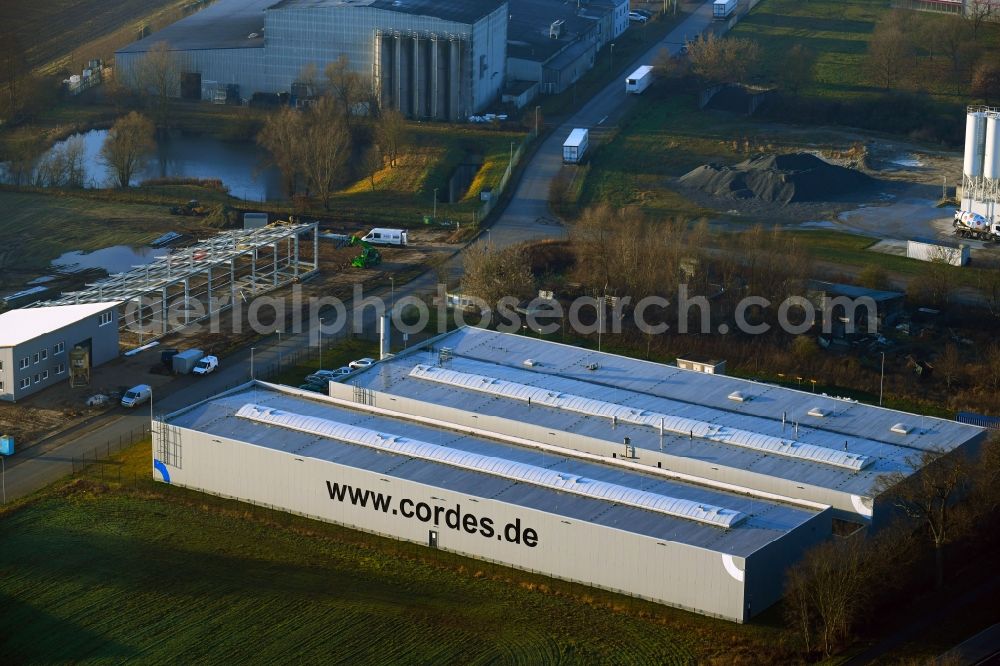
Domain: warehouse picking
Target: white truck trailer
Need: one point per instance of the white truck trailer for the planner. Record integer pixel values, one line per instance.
(639, 80)
(575, 146)
(721, 9)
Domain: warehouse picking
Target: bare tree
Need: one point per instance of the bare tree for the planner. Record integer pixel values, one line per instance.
(158, 79)
(724, 59)
(346, 86)
(949, 364)
(63, 165)
(978, 12)
(390, 133)
(953, 39)
(797, 68)
(125, 148)
(928, 496)
(280, 137)
(492, 274)
(874, 276)
(986, 80)
(890, 53)
(323, 148)
(372, 163)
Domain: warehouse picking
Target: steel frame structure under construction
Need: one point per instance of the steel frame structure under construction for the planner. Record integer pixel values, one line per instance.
(196, 282)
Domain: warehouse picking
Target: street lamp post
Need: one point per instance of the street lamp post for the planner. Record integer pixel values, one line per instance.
(251, 362)
(435, 204)
(881, 380)
(278, 331)
(537, 107)
(612, 56)
(392, 295)
(3, 476)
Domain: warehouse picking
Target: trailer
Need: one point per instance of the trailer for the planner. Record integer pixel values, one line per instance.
(183, 363)
(575, 146)
(639, 80)
(938, 252)
(722, 9)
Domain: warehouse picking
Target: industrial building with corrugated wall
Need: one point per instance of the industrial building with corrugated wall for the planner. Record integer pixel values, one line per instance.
(708, 547)
(693, 490)
(440, 59)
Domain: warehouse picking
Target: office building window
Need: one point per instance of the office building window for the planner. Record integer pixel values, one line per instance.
(59, 348)
(25, 362)
(106, 318)
(25, 383)
(34, 358)
(45, 375)
(45, 354)
(61, 368)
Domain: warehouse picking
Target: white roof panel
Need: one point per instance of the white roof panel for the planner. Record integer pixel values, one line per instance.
(516, 471)
(21, 325)
(619, 413)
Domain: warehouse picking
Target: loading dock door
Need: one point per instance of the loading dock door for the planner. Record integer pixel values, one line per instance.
(191, 85)
(432, 539)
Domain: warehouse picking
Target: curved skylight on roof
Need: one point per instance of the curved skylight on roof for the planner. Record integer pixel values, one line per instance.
(674, 424)
(508, 469)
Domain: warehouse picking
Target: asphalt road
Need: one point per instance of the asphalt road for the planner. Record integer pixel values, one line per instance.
(525, 218)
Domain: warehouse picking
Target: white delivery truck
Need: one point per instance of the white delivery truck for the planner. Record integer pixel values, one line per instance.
(386, 237)
(575, 146)
(639, 80)
(721, 9)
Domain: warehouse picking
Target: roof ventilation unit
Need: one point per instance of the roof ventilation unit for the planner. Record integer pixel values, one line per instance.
(901, 429)
(817, 412)
(739, 396)
(555, 30)
(530, 362)
(592, 366)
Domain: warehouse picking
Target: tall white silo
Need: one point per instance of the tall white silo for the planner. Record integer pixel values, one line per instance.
(975, 144)
(991, 155)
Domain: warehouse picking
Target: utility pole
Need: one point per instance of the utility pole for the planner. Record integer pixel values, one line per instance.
(251, 362)
(612, 56)
(881, 380)
(537, 107)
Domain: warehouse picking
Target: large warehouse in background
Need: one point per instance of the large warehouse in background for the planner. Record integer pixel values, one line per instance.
(689, 489)
(440, 59)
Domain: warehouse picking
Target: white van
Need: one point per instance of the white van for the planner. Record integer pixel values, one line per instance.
(386, 237)
(137, 395)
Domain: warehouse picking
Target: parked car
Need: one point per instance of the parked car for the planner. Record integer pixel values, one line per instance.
(137, 395)
(361, 363)
(329, 375)
(637, 17)
(644, 12)
(206, 365)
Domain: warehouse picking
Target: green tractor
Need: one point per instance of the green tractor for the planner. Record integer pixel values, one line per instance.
(369, 255)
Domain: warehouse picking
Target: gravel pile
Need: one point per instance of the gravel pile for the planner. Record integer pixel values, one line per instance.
(777, 179)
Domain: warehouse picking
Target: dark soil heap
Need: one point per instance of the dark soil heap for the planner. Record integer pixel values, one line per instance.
(777, 179)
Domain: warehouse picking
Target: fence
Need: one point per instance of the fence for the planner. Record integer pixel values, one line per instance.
(515, 158)
(101, 455)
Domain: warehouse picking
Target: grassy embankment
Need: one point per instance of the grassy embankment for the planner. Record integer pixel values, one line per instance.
(839, 32)
(96, 571)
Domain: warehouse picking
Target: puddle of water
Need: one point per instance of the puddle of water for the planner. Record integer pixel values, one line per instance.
(115, 259)
(908, 160)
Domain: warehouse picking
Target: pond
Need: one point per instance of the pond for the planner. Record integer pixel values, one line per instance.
(235, 163)
(115, 259)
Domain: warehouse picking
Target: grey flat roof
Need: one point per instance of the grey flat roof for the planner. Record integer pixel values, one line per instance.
(766, 521)
(667, 389)
(853, 291)
(224, 24)
(528, 28)
(459, 11)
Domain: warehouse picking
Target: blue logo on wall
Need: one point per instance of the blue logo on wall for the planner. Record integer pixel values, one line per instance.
(162, 469)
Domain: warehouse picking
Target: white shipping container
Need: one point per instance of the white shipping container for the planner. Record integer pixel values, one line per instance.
(575, 146)
(639, 80)
(926, 251)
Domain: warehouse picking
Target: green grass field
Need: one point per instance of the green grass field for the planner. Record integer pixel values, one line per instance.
(94, 572)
